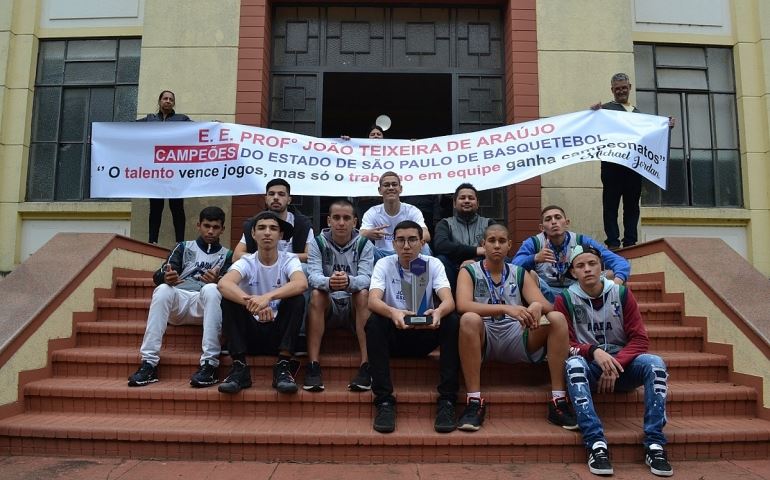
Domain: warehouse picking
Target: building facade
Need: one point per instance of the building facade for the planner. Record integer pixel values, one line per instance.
(329, 68)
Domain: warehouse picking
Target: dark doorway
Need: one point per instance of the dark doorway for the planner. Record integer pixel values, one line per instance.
(420, 105)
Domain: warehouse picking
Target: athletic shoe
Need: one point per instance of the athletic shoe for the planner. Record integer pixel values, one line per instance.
(313, 380)
(206, 376)
(238, 378)
(385, 420)
(146, 375)
(283, 380)
(473, 415)
(445, 417)
(599, 459)
(561, 413)
(655, 458)
(362, 382)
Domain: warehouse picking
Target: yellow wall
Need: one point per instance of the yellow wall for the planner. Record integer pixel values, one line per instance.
(188, 46)
(194, 53)
(574, 72)
(18, 51)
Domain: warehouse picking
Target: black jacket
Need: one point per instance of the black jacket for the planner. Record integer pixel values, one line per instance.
(302, 227)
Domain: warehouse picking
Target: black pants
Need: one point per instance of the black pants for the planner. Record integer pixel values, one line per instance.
(620, 182)
(156, 215)
(384, 340)
(245, 335)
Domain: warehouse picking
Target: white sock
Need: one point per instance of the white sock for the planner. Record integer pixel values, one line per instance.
(598, 445)
(473, 395)
(558, 394)
(655, 446)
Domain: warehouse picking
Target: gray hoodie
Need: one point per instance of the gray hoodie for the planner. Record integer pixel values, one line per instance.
(356, 258)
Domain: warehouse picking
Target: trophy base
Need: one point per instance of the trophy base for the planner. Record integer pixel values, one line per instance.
(418, 320)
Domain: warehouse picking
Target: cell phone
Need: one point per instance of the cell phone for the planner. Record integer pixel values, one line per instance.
(418, 320)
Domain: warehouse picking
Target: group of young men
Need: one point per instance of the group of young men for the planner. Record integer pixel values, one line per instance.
(561, 300)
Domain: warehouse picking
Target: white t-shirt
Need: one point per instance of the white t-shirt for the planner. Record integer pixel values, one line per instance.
(285, 245)
(259, 279)
(386, 277)
(377, 217)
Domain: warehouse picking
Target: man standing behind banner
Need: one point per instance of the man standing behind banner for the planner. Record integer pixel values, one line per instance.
(620, 181)
(380, 221)
(278, 201)
(458, 238)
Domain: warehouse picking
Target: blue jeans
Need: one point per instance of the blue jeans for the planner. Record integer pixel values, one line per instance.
(548, 291)
(646, 369)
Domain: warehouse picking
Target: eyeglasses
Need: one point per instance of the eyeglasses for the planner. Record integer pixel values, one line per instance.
(400, 241)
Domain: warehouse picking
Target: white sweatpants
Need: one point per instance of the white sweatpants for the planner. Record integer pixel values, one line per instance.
(183, 307)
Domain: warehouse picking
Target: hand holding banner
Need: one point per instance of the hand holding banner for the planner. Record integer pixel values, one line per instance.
(175, 160)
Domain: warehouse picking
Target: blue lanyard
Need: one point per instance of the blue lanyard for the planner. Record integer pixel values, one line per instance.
(560, 255)
(497, 296)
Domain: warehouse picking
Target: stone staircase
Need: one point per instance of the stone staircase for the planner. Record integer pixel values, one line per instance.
(86, 408)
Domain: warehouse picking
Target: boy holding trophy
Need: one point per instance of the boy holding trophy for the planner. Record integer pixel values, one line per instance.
(405, 322)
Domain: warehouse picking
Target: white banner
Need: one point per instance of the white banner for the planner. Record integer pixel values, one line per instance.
(188, 159)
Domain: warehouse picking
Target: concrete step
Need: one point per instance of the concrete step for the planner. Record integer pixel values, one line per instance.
(646, 291)
(177, 397)
(119, 362)
(278, 437)
(129, 333)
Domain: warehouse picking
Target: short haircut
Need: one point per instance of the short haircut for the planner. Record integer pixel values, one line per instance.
(403, 225)
(375, 127)
(464, 186)
(166, 91)
(551, 207)
(497, 226)
(390, 173)
(212, 214)
(278, 181)
(620, 77)
(343, 202)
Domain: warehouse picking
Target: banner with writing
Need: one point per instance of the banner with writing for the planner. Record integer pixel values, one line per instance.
(190, 159)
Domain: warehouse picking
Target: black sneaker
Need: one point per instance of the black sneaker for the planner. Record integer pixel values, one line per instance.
(313, 380)
(206, 376)
(146, 375)
(238, 378)
(599, 460)
(561, 413)
(445, 417)
(385, 420)
(473, 415)
(655, 458)
(283, 380)
(362, 382)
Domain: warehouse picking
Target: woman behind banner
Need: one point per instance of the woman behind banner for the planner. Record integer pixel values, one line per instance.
(166, 113)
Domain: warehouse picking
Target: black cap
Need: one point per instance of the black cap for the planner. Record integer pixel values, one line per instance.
(286, 228)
